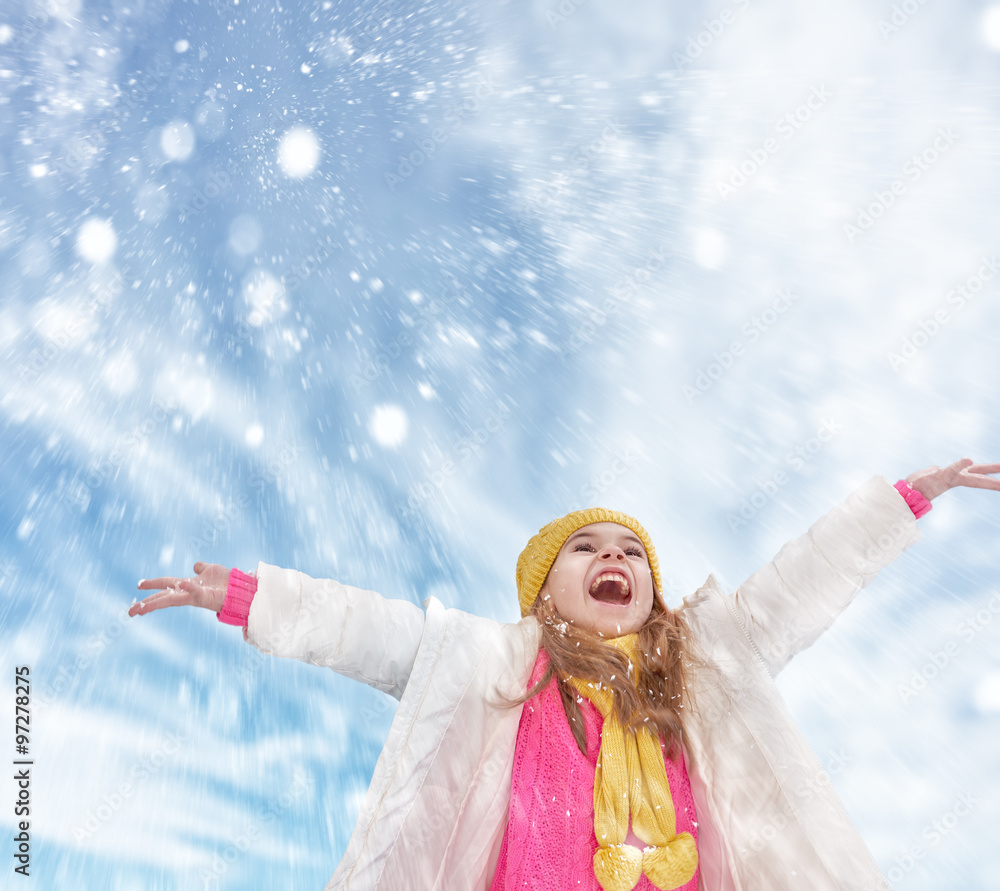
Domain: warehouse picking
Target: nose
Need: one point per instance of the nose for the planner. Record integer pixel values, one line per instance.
(612, 551)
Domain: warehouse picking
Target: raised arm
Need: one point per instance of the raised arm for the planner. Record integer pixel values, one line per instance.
(355, 632)
(785, 605)
(788, 603)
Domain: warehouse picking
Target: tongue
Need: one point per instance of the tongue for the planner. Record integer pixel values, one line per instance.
(610, 591)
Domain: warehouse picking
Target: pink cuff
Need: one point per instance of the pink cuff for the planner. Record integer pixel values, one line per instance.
(917, 502)
(239, 596)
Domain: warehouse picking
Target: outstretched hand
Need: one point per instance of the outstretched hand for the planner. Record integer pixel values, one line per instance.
(932, 481)
(207, 589)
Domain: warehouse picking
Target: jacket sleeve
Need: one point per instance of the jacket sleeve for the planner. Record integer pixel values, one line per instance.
(788, 603)
(357, 633)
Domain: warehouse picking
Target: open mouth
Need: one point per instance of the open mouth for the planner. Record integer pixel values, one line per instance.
(611, 587)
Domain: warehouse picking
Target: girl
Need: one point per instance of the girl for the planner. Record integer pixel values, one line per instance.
(604, 741)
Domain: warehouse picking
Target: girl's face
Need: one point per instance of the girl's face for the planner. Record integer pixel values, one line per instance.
(601, 581)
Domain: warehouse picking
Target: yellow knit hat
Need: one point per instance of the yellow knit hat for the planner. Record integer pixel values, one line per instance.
(539, 554)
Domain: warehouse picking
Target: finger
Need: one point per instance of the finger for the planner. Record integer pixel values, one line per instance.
(983, 468)
(154, 584)
(980, 482)
(159, 600)
(199, 566)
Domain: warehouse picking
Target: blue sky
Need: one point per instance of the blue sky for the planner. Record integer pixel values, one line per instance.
(377, 293)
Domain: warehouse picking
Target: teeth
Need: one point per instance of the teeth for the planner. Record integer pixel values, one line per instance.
(614, 576)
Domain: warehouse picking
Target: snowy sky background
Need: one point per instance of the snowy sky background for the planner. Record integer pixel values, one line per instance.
(376, 292)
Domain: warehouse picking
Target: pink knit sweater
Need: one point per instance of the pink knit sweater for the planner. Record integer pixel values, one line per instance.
(549, 841)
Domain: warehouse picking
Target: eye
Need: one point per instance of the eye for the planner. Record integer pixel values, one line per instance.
(587, 546)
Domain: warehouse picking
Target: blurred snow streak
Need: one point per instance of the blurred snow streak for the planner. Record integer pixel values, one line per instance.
(376, 291)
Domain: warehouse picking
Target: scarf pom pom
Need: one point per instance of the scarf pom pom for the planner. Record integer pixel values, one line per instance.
(672, 865)
(618, 867)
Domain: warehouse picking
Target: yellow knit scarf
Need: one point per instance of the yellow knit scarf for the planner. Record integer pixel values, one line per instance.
(631, 778)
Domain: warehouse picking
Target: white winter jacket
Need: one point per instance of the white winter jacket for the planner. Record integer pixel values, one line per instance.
(436, 810)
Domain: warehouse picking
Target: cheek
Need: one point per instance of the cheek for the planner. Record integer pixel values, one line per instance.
(564, 602)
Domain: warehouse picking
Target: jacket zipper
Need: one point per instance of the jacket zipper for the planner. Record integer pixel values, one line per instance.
(746, 634)
(833, 792)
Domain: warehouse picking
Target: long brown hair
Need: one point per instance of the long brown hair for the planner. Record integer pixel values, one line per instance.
(655, 696)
